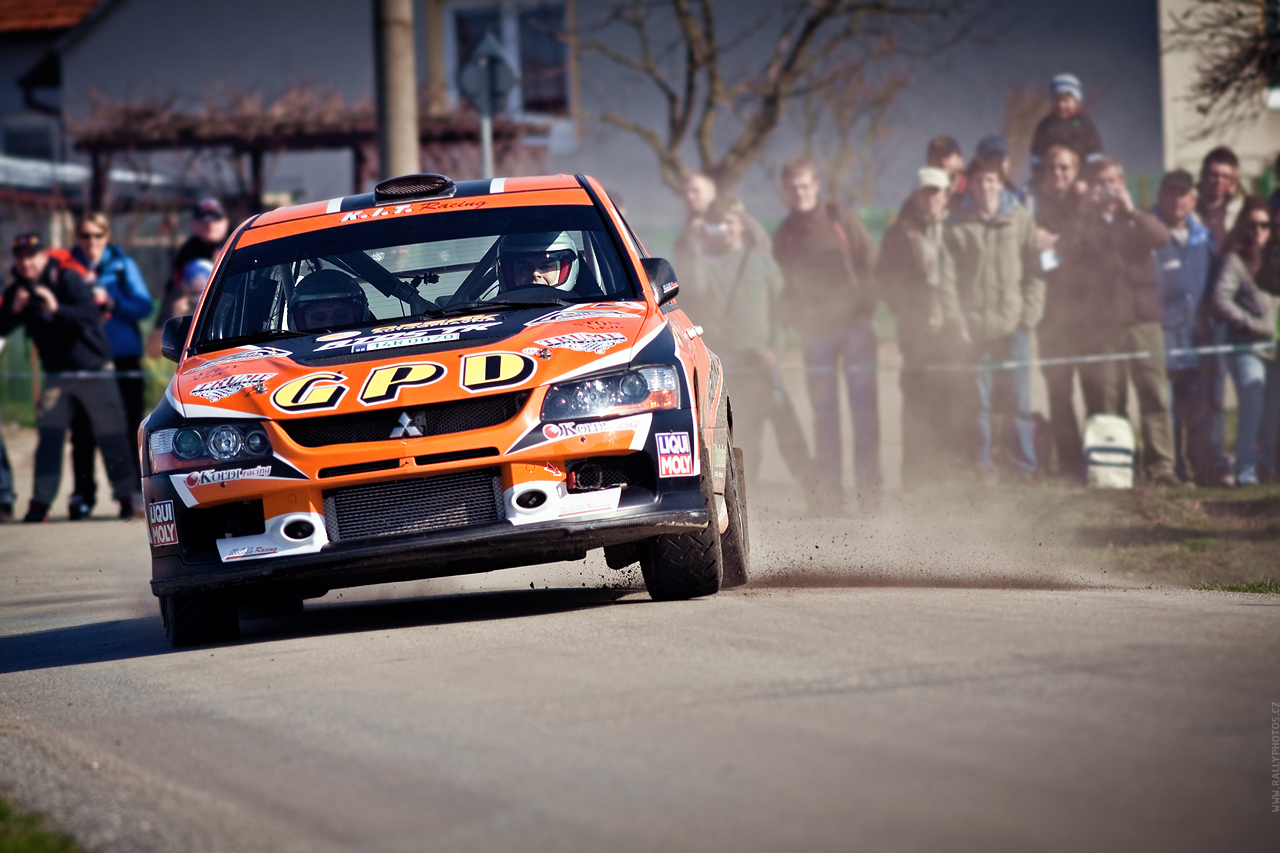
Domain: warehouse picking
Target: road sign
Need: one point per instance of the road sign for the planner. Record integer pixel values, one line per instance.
(487, 77)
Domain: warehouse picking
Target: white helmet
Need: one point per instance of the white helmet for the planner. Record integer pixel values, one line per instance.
(547, 258)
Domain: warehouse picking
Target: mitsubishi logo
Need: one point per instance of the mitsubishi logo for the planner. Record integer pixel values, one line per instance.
(407, 428)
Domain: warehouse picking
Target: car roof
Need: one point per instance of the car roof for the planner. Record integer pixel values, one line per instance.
(465, 189)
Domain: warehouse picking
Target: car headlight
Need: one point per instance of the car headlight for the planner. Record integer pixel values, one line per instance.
(199, 446)
(633, 392)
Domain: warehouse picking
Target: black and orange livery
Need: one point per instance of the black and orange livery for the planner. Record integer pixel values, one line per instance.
(458, 420)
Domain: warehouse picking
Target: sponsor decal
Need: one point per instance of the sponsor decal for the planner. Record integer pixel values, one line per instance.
(436, 323)
(161, 525)
(228, 385)
(417, 207)
(227, 475)
(338, 336)
(249, 551)
(570, 429)
(496, 370)
(310, 393)
(580, 503)
(675, 454)
(576, 314)
(248, 353)
(596, 342)
(384, 384)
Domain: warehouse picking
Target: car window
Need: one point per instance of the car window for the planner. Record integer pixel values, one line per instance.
(363, 272)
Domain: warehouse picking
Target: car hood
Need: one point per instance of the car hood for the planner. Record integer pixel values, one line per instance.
(411, 362)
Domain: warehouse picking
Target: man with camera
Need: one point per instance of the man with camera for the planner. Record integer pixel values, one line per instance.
(61, 318)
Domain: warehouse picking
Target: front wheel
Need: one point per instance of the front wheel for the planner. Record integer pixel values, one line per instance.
(193, 619)
(735, 547)
(677, 566)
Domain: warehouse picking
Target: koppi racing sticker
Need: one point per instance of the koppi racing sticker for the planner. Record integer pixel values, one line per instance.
(161, 526)
(228, 385)
(571, 429)
(675, 454)
(247, 353)
(595, 342)
(227, 475)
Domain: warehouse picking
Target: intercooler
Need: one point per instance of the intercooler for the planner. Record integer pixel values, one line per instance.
(419, 505)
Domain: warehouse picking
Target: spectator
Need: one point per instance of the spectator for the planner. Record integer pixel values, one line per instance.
(1250, 316)
(6, 473)
(699, 192)
(1066, 124)
(731, 288)
(1183, 269)
(993, 244)
(1115, 243)
(1220, 199)
(827, 258)
(944, 153)
(123, 299)
(1275, 194)
(1058, 206)
(997, 146)
(61, 318)
(916, 278)
(210, 228)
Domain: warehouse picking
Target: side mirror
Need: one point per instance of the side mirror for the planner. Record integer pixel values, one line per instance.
(174, 336)
(662, 278)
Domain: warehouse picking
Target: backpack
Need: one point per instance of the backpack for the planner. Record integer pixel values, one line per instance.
(1108, 452)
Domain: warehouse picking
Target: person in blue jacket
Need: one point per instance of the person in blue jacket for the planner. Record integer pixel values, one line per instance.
(124, 300)
(1183, 268)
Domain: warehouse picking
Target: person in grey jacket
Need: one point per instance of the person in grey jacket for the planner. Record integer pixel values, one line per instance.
(730, 286)
(1250, 316)
(992, 240)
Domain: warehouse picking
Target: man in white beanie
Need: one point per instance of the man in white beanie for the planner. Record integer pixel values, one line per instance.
(1067, 123)
(915, 277)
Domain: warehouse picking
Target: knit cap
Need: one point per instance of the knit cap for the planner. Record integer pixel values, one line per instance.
(1067, 84)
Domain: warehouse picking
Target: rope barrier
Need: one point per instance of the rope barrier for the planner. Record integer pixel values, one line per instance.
(1220, 349)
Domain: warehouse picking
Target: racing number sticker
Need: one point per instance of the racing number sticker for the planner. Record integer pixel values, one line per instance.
(384, 384)
(495, 370)
(675, 454)
(310, 392)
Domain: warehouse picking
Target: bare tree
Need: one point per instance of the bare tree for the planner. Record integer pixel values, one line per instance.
(1237, 44)
(856, 108)
(818, 43)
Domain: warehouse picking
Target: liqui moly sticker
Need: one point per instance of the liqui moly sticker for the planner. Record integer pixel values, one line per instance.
(161, 525)
(228, 385)
(596, 342)
(675, 454)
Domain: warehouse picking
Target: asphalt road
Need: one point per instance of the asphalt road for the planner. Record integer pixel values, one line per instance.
(893, 682)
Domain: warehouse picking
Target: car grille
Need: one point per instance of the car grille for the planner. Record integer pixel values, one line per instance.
(414, 506)
(435, 419)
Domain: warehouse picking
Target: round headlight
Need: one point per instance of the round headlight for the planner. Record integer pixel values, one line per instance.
(634, 388)
(257, 444)
(188, 444)
(225, 443)
(593, 396)
(557, 406)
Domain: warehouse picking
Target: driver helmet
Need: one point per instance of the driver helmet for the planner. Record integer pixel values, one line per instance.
(546, 258)
(325, 299)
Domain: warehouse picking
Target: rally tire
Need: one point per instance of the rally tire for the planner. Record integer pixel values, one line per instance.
(194, 619)
(679, 566)
(735, 546)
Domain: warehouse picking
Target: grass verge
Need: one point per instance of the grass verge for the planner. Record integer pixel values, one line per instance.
(28, 833)
(1213, 539)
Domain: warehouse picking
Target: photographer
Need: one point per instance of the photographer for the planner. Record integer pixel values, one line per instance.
(61, 317)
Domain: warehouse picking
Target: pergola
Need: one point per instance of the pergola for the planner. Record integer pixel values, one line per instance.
(300, 120)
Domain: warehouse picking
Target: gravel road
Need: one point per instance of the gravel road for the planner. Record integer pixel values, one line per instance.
(898, 681)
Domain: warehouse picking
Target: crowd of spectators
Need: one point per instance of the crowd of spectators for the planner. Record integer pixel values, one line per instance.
(980, 275)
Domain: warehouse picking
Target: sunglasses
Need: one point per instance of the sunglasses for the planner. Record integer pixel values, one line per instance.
(1259, 225)
(92, 235)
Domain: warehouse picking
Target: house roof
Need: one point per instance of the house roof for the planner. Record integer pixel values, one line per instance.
(17, 16)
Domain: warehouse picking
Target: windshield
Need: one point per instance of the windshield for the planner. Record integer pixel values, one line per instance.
(366, 272)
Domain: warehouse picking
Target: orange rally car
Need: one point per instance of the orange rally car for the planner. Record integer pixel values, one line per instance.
(436, 378)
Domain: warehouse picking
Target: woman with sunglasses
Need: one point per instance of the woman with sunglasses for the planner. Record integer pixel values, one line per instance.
(123, 298)
(1250, 315)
